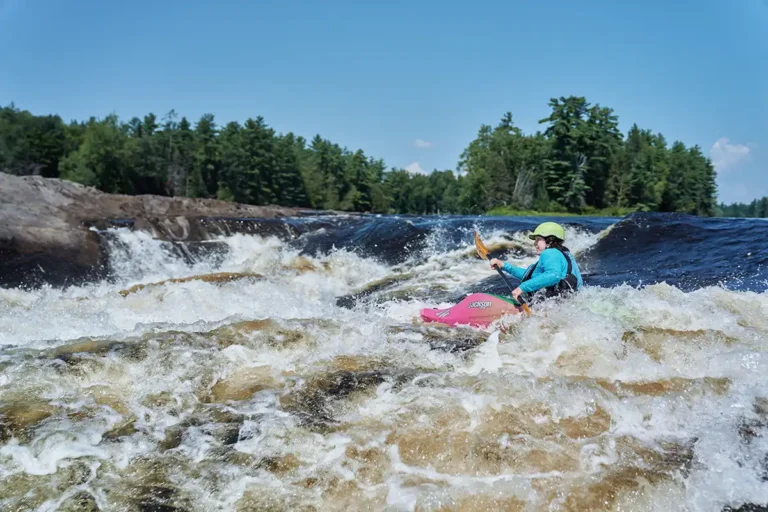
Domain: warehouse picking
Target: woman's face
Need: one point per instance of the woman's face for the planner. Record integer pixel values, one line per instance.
(541, 244)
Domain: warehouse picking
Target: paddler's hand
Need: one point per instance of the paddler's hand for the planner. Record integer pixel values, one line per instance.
(496, 263)
(516, 293)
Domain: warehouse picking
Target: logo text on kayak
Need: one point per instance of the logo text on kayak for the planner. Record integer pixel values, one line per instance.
(480, 304)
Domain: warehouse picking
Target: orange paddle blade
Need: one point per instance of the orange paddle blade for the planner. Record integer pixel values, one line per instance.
(482, 250)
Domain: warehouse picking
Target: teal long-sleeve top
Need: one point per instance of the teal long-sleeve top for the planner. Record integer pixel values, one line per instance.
(551, 268)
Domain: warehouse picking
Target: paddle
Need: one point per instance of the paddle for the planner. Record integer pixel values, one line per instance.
(482, 251)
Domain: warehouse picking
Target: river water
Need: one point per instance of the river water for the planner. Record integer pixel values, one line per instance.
(290, 371)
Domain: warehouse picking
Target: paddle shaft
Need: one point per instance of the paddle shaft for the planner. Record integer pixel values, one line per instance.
(511, 289)
(482, 251)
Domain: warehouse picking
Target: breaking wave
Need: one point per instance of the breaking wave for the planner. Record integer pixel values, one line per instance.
(288, 370)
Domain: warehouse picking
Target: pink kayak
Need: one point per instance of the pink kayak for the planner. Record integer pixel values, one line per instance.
(476, 310)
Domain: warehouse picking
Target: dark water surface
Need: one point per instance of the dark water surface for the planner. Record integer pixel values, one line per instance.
(282, 365)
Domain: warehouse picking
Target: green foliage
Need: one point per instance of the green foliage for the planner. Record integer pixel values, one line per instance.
(579, 164)
(567, 164)
(101, 159)
(758, 208)
(561, 212)
(34, 144)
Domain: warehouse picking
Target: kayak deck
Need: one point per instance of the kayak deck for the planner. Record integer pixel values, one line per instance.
(476, 309)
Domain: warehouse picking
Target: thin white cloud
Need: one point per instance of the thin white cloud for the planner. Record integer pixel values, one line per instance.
(415, 168)
(422, 144)
(726, 155)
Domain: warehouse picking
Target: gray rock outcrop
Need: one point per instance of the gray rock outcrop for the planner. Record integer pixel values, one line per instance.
(46, 233)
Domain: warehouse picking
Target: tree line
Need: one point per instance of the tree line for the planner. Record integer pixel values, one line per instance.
(758, 208)
(580, 162)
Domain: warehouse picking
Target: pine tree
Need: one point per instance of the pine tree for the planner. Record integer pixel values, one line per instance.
(568, 162)
(207, 159)
(232, 185)
(291, 190)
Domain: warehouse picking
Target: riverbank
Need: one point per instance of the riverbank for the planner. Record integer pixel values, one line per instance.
(48, 233)
(589, 212)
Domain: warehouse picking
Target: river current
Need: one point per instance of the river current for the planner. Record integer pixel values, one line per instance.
(291, 371)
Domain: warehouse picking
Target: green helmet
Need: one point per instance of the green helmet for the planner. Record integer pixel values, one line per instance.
(549, 229)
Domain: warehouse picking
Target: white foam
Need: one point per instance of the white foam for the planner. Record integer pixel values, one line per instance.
(558, 362)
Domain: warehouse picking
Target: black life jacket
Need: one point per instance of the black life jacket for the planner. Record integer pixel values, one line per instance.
(565, 286)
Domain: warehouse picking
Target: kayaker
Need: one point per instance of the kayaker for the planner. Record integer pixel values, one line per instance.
(556, 273)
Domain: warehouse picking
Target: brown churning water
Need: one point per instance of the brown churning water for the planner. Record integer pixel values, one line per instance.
(243, 386)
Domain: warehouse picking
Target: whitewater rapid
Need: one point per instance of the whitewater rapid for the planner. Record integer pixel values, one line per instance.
(234, 381)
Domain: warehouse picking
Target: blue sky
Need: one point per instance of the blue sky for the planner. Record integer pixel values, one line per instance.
(407, 81)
